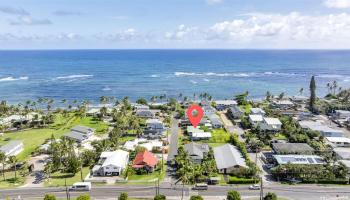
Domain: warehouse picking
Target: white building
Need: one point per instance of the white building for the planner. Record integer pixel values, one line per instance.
(271, 124)
(201, 136)
(155, 124)
(324, 130)
(12, 148)
(111, 163)
(224, 104)
(228, 159)
(255, 120)
(338, 141)
(283, 104)
(257, 111)
(341, 114)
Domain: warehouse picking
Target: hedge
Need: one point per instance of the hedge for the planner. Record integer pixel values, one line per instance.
(337, 181)
(236, 180)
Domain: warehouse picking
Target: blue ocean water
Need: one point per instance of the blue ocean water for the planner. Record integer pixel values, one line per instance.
(89, 74)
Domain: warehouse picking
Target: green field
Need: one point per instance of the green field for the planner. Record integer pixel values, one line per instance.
(33, 138)
(219, 136)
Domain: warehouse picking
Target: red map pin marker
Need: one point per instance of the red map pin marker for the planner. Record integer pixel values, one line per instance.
(194, 114)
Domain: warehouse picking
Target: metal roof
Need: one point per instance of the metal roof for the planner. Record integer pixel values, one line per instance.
(227, 156)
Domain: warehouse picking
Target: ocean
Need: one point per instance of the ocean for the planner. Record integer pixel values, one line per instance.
(89, 74)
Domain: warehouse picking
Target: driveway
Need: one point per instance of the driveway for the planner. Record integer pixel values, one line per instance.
(37, 177)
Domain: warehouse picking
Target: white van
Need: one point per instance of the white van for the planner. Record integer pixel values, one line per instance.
(81, 186)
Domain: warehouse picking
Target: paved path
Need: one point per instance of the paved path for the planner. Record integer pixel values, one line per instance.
(173, 139)
(37, 177)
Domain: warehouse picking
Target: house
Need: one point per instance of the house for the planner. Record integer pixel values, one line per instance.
(153, 133)
(140, 107)
(235, 112)
(155, 124)
(341, 114)
(342, 153)
(257, 111)
(201, 136)
(347, 165)
(144, 113)
(271, 124)
(324, 130)
(192, 129)
(215, 121)
(299, 99)
(80, 133)
(12, 148)
(224, 104)
(208, 110)
(132, 144)
(111, 163)
(298, 159)
(282, 104)
(292, 148)
(255, 120)
(196, 151)
(228, 159)
(145, 160)
(152, 145)
(338, 141)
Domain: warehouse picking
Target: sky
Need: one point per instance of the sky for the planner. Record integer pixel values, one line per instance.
(179, 24)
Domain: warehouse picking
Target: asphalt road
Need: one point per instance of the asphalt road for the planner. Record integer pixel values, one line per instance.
(300, 192)
(173, 139)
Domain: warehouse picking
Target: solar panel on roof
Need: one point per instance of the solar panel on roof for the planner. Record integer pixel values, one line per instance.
(311, 161)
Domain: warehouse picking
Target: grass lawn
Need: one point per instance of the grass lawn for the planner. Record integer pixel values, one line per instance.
(215, 144)
(147, 177)
(33, 138)
(246, 108)
(219, 136)
(58, 178)
(280, 137)
(10, 180)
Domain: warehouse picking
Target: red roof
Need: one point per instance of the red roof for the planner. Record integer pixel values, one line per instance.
(145, 158)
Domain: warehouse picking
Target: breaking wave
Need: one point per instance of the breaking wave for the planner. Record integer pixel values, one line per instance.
(10, 78)
(80, 76)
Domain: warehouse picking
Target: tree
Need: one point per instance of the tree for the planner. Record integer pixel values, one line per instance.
(270, 196)
(84, 197)
(13, 161)
(301, 91)
(123, 196)
(3, 162)
(160, 197)
(142, 101)
(196, 197)
(268, 96)
(233, 195)
(49, 197)
(312, 94)
(242, 98)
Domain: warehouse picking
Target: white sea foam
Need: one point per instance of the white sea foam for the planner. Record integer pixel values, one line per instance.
(79, 76)
(106, 88)
(193, 82)
(10, 78)
(206, 80)
(155, 76)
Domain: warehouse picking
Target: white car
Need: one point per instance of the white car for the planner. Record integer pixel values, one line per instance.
(254, 187)
(81, 186)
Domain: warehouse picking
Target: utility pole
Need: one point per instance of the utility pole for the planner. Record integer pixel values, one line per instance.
(67, 191)
(261, 189)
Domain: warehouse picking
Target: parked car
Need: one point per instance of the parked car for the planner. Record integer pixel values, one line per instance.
(254, 187)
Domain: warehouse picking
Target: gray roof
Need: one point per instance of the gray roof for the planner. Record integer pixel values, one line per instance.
(292, 148)
(9, 146)
(196, 149)
(236, 109)
(227, 156)
(82, 129)
(76, 136)
(343, 153)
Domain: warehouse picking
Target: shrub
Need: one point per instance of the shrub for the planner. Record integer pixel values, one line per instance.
(236, 180)
(123, 196)
(196, 197)
(270, 196)
(159, 197)
(84, 197)
(233, 195)
(49, 197)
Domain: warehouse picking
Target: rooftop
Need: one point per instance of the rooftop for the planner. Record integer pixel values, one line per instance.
(272, 121)
(292, 148)
(196, 149)
(226, 102)
(227, 156)
(298, 159)
(256, 118)
(10, 145)
(338, 139)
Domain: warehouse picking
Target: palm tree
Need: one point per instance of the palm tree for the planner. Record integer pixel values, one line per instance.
(104, 100)
(301, 91)
(3, 162)
(13, 161)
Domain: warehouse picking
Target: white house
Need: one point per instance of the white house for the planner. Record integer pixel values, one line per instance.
(208, 110)
(13, 148)
(338, 141)
(341, 114)
(201, 136)
(257, 111)
(298, 159)
(271, 124)
(80, 133)
(111, 163)
(255, 120)
(145, 114)
(155, 124)
(324, 130)
(283, 104)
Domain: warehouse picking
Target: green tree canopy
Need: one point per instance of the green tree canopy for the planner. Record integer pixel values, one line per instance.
(233, 195)
(49, 197)
(196, 197)
(270, 196)
(84, 197)
(123, 196)
(160, 197)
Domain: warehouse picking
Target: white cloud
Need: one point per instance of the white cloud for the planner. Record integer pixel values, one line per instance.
(182, 32)
(275, 28)
(28, 20)
(66, 13)
(13, 11)
(214, 1)
(341, 4)
(129, 34)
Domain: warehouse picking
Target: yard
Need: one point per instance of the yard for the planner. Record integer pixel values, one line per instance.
(147, 178)
(219, 136)
(58, 178)
(10, 180)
